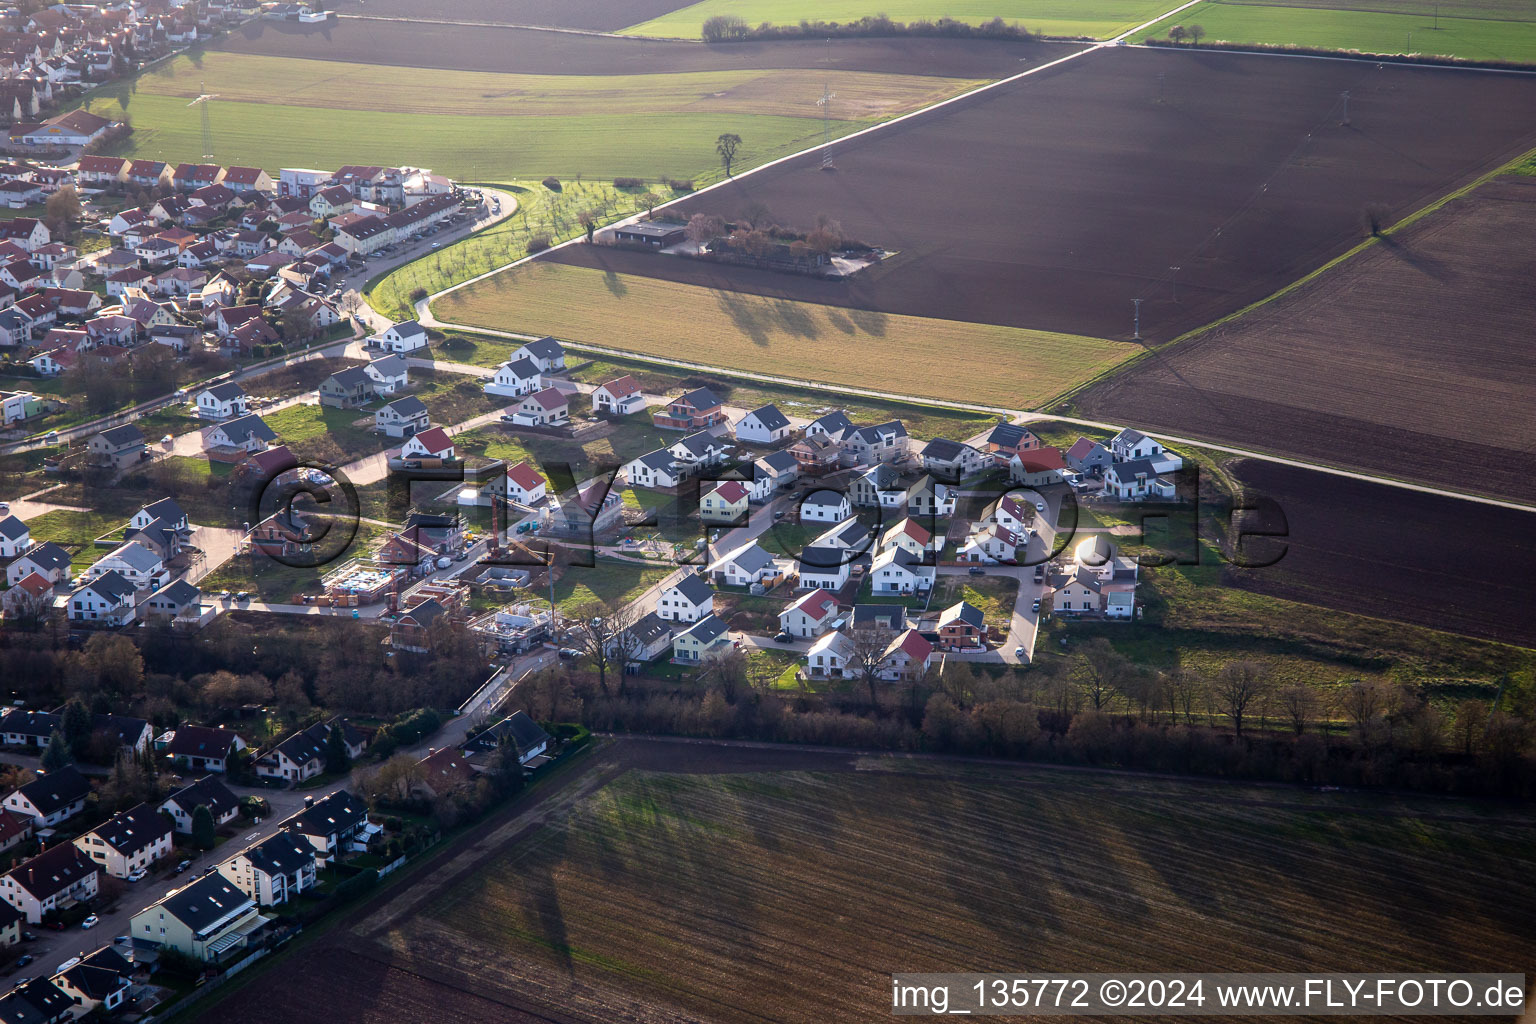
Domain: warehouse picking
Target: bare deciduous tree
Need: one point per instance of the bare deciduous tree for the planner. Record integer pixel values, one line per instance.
(1238, 685)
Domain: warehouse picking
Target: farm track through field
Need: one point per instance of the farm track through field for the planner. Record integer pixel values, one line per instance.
(785, 883)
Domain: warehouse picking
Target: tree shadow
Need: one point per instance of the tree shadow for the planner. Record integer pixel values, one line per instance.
(615, 284)
(838, 319)
(795, 318)
(870, 321)
(743, 316)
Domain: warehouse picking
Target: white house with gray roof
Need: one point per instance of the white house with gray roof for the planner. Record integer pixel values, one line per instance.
(15, 537)
(546, 353)
(405, 336)
(766, 425)
(515, 378)
(221, 401)
(688, 600)
(402, 417)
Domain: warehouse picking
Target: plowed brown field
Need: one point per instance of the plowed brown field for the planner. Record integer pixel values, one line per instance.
(680, 882)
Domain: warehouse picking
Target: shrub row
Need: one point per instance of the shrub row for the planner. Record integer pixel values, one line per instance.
(729, 28)
(1320, 51)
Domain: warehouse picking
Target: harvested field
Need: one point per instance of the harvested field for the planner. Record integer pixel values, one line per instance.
(1053, 202)
(672, 881)
(1470, 30)
(1376, 550)
(422, 44)
(901, 354)
(593, 15)
(1098, 18)
(1402, 361)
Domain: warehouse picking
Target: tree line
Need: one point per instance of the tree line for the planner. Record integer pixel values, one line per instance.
(731, 28)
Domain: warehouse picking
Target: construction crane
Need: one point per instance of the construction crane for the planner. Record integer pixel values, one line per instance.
(202, 101)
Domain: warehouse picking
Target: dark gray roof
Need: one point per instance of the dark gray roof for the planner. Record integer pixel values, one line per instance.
(36, 1001)
(123, 435)
(56, 790)
(886, 616)
(821, 558)
(699, 398)
(1007, 435)
(254, 426)
(54, 870)
(204, 902)
(334, 814)
(698, 445)
(779, 461)
(851, 533)
(891, 428)
(49, 555)
(132, 830)
(205, 792)
(351, 377)
(1132, 468)
(708, 629)
(136, 555)
(30, 723)
(753, 558)
(200, 741)
(695, 588)
(660, 459)
(100, 974)
(651, 628)
(225, 391)
(391, 365)
(165, 508)
(1129, 436)
(835, 423)
(407, 407)
(770, 417)
(110, 585)
(945, 450)
(12, 528)
(281, 854)
(524, 368)
(180, 593)
(518, 729)
(545, 348)
(966, 612)
(127, 731)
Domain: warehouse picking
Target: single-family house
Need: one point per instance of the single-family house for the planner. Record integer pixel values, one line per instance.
(274, 870)
(545, 353)
(1039, 467)
(698, 409)
(100, 980)
(174, 600)
(884, 442)
(772, 473)
(962, 625)
(952, 460)
(724, 502)
(199, 748)
(207, 792)
(654, 470)
(107, 600)
(48, 560)
(766, 425)
(546, 407)
(50, 798)
(402, 417)
(706, 639)
(832, 656)
(335, 825)
(1136, 480)
(347, 389)
(405, 336)
(432, 443)
(745, 566)
(833, 426)
(688, 600)
(826, 568)
(517, 730)
(898, 571)
(208, 919)
(810, 615)
(117, 446)
(514, 379)
(389, 374)
(56, 879)
(15, 537)
(1088, 456)
(824, 506)
(907, 658)
(129, 842)
(523, 484)
(618, 397)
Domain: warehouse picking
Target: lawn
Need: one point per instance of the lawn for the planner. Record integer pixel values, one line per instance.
(452, 398)
(1096, 18)
(703, 893)
(1370, 31)
(317, 431)
(540, 211)
(994, 595)
(1004, 366)
(337, 85)
(277, 583)
(76, 531)
(611, 583)
(463, 146)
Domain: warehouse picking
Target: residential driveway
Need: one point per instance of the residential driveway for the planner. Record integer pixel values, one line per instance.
(219, 544)
(30, 507)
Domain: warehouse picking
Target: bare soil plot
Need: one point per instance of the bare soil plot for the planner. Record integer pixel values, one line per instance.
(1053, 202)
(423, 44)
(593, 15)
(1382, 551)
(674, 881)
(1411, 359)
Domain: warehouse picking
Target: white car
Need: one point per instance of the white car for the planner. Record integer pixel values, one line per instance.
(136, 876)
(90, 922)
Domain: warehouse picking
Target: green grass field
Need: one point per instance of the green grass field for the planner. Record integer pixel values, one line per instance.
(1097, 18)
(470, 148)
(540, 211)
(1373, 31)
(902, 354)
(481, 126)
(338, 85)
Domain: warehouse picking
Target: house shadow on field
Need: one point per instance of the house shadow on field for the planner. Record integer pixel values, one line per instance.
(541, 899)
(615, 284)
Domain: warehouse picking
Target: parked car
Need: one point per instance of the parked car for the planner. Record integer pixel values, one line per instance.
(136, 876)
(182, 867)
(783, 638)
(1039, 574)
(1018, 652)
(1034, 605)
(242, 596)
(976, 570)
(1039, 506)
(90, 922)
(24, 959)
